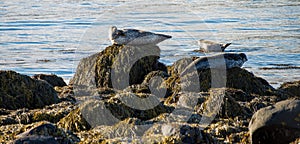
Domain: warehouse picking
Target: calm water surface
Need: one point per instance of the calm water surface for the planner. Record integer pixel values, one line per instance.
(52, 36)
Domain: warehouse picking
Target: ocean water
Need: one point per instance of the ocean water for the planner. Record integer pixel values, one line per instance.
(52, 36)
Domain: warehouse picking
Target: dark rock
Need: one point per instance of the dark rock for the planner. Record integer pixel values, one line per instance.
(117, 67)
(66, 93)
(291, 88)
(279, 123)
(46, 131)
(34, 139)
(142, 106)
(20, 91)
(85, 73)
(111, 110)
(125, 65)
(52, 113)
(238, 95)
(51, 79)
(173, 133)
(4, 111)
(240, 79)
(259, 102)
(223, 104)
(237, 78)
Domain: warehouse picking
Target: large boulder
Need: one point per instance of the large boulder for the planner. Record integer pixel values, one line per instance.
(279, 123)
(117, 67)
(236, 77)
(21, 91)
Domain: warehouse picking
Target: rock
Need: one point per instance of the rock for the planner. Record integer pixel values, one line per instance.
(21, 91)
(173, 133)
(66, 93)
(52, 113)
(222, 103)
(117, 67)
(279, 123)
(36, 140)
(126, 131)
(74, 121)
(142, 106)
(83, 81)
(45, 129)
(259, 102)
(51, 79)
(226, 131)
(45, 132)
(291, 88)
(237, 78)
(239, 95)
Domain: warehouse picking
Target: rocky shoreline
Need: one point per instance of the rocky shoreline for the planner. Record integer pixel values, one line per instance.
(124, 94)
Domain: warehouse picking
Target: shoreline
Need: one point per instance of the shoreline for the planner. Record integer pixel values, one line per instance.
(90, 109)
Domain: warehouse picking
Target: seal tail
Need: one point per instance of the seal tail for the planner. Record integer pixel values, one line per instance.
(166, 36)
(224, 46)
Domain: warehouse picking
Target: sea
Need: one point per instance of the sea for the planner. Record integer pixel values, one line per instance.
(51, 36)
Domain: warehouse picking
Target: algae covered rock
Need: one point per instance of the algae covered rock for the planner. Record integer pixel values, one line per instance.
(37, 139)
(117, 67)
(45, 132)
(236, 77)
(21, 91)
(173, 133)
(291, 88)
(52, 113)
(279, 123)
(52, 79)
(74, 121)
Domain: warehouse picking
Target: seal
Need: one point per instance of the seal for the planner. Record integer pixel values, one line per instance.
(219, 61)
(135, 37)
(210, 46)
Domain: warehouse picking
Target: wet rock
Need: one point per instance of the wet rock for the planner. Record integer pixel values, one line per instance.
(117, 67)
(126, 131)
(52, 113)
(279, 123)
(220, 103)
(259, 102)
(128, 65)
(291, 88)
(36, 140)
(45, 131)
(173, 133)
(66, 93)
(143, 106)
(52, 79)
(20, 91)
(74, 121)
(226, 131)
(237, 78)
(239, 95)
(138, 88)
(83, 82)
